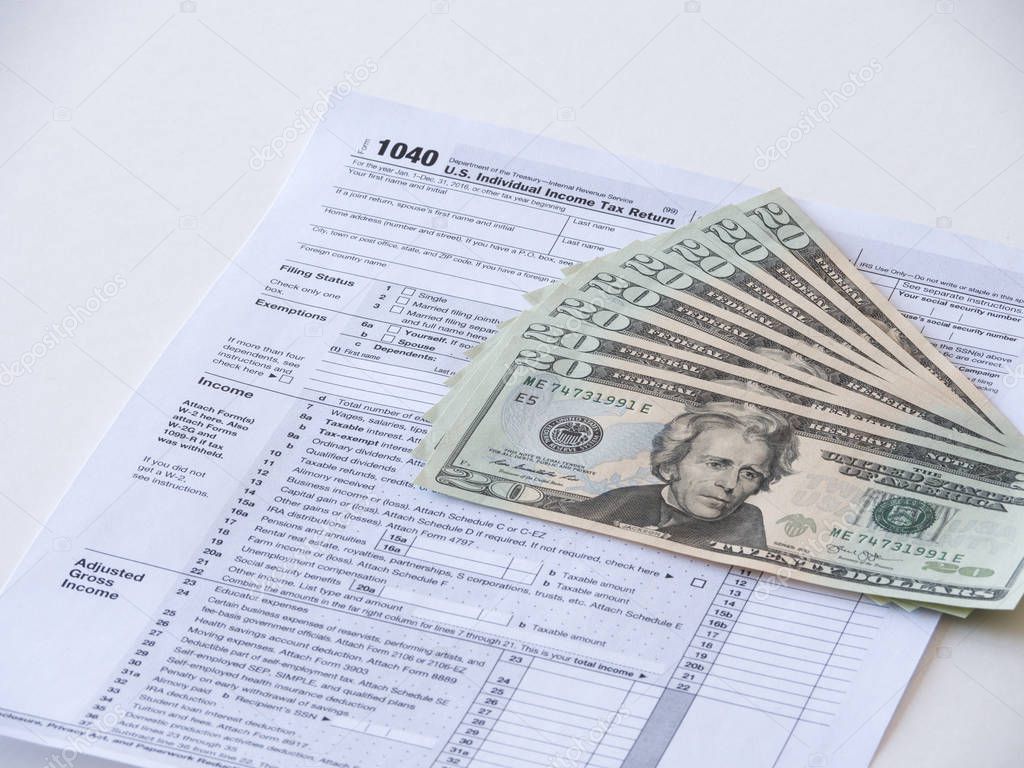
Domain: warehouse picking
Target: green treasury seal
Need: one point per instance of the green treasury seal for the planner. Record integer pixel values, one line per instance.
(899, 514)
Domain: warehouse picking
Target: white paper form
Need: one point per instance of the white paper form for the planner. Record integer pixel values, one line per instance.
(973, 316)
(966, 295)
(243, 574)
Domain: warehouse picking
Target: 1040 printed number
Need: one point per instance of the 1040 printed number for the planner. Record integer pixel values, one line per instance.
(399, 150)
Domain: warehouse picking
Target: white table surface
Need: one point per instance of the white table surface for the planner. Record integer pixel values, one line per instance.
(126, 129)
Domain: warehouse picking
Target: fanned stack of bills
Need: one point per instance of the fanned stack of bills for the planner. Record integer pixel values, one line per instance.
(736, 390)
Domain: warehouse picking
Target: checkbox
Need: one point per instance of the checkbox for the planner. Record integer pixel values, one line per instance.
(402, 300)
(397, 310)
(699, 583)
(394, 328)
(387, 337)
(408, 291)
(286, 379)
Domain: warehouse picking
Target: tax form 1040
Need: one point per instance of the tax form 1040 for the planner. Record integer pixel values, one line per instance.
(243, 574)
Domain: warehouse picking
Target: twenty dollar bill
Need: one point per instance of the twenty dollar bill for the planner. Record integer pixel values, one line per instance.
(725, 473)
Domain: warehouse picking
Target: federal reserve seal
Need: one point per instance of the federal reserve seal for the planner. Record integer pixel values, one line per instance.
(571, 434)
(903, 515)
